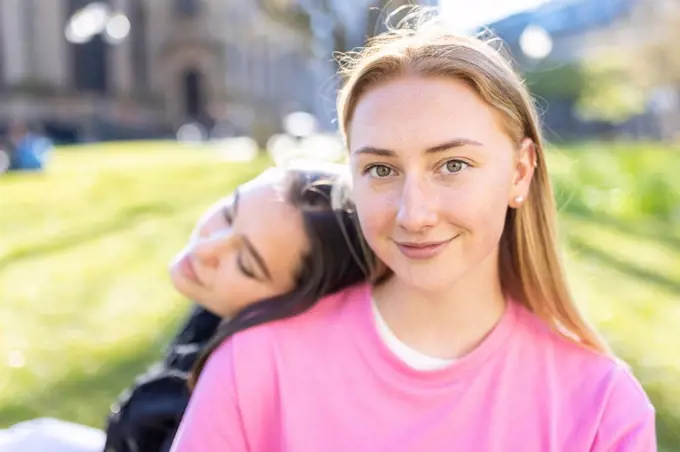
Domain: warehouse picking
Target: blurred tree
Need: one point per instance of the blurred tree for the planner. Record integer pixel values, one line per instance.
(601, 88)
(565, 81)
(618, 83)
(608, 91)
(654, 60)
(289, 13)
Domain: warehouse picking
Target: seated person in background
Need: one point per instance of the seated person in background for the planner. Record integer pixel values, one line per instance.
(27, 149)
(258, 253)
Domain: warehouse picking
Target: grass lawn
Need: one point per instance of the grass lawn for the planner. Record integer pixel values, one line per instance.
(86, 302)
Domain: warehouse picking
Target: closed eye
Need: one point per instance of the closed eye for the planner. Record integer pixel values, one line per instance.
(243, 268)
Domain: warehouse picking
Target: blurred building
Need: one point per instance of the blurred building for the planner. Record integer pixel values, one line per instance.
(581, 30)
(213, 61)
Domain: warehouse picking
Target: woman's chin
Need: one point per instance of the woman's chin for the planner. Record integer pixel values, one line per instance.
(180, 283)
(188, 289)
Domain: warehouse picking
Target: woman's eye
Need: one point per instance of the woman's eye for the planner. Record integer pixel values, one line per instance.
(454, 166)
(243, 268)
(380, 171)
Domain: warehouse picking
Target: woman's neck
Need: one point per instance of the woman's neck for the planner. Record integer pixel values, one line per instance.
(444, 324)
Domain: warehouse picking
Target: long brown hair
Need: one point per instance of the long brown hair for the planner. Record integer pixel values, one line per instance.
(530, 267)
(337, 256)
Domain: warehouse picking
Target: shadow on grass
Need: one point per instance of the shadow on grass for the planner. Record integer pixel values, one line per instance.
(123, 221)
(622, 266)
(658, 232)
(85, 398)
(667, 419)
(667, 411)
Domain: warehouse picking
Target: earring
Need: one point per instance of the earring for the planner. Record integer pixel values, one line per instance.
(519, 200)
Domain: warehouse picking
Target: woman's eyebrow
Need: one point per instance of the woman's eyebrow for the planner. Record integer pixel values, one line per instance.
(451, 144)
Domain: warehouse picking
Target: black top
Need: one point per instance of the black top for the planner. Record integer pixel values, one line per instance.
(146, 416)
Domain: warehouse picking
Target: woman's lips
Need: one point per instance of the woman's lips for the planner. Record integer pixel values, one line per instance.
(187, 269)
(422, 250)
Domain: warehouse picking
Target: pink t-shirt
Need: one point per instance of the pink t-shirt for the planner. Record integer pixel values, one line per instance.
(324, 381)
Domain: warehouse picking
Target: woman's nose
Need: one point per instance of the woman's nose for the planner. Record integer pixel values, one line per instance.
(209, 250)
(417, 211)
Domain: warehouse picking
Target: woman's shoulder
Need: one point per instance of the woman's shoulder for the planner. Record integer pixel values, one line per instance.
(251, 359)
(580, 371)
(320, 319)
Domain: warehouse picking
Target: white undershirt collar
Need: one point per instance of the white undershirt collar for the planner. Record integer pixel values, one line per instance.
(408, 355)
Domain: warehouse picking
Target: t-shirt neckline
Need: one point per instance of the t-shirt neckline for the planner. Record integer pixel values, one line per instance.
(379, 355)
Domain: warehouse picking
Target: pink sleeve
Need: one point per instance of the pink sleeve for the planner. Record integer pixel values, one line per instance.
(628, 421)
(212, 420)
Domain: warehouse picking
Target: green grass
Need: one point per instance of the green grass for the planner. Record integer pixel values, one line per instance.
(87, 305)
(86, 301)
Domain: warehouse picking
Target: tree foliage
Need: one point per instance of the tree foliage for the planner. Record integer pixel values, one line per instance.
(609, 92)
(287, 13)
(564, 81)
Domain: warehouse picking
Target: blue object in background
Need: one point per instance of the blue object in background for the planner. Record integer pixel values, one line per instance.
(31, 153)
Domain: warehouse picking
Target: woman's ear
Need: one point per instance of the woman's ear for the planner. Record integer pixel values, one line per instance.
(525, 164)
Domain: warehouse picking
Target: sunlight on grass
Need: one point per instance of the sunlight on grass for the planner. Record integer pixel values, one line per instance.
(87, 303)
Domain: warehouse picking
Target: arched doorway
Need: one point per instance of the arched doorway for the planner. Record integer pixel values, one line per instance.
(193, 93)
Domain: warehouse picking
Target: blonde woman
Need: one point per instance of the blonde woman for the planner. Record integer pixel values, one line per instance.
(473, 343)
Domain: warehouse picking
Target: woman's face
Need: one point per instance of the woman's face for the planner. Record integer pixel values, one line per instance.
(433, 174)
(246, 248)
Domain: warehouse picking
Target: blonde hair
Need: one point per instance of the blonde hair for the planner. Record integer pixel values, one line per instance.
(530, 267)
